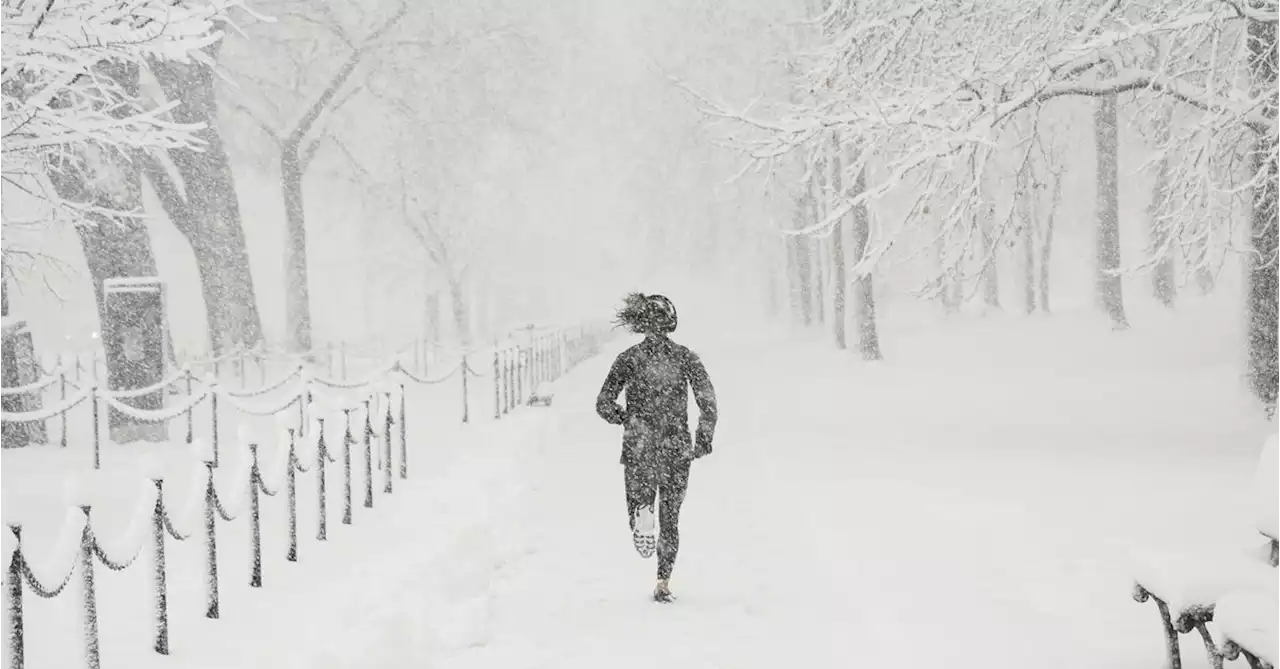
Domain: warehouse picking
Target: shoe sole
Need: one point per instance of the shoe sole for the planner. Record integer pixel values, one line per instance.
(643, 535)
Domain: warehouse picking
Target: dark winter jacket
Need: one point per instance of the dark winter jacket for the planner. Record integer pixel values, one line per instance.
(656, 375)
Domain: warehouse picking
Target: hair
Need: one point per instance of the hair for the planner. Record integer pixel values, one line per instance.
(647, 314)
(634, 313)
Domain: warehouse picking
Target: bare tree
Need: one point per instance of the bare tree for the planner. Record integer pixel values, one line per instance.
(1107, 259)
(837, 248)
(926, 104)
(197, 191)
(297, 140)
(1158, 237)
(1263, 262)
(865, 313)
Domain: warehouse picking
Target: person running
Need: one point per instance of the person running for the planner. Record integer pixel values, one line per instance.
(657, 451)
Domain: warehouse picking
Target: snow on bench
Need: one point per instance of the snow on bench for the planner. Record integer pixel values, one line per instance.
(542, 394)
(1248, 624)
(1188, 589)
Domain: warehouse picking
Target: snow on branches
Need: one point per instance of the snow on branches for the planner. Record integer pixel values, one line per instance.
(71, 89)
(932, 94)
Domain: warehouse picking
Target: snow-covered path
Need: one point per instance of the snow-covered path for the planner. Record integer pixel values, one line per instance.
(757, 581)
(835, 528)
(973, 502)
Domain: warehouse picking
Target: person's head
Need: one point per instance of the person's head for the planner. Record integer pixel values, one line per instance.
(647, 314)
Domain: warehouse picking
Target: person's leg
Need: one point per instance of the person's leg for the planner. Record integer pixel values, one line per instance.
(672, 485)
(641, 490)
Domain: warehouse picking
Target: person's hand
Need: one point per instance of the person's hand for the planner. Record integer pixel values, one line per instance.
(701, 448)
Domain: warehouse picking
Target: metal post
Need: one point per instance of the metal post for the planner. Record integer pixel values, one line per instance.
(160, 594)
(255, 521)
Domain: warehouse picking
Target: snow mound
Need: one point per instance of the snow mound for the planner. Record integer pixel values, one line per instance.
(1266, 490)
(1200, 579)
(1249, 618)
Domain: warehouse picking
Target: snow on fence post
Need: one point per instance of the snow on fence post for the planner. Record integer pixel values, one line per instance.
(404, 449)
(291, 486)
(342, 360)
(97, 437)
(386, 440)
(160, 593)
(210, 546)
(346, 467)
(13, 602)
(322, 519)
(368, 456)
(240, 368)
(497, 392)
(255, 520)
(89, 607)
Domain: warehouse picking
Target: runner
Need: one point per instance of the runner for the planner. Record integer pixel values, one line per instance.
(657, 450)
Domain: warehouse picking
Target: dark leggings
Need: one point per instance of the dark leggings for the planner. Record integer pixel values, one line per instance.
(666, 479)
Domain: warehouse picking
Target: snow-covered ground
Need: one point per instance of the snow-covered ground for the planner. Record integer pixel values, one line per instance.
(978, 499)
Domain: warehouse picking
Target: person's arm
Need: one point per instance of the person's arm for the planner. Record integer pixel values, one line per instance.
(607, 401)
(705, 395)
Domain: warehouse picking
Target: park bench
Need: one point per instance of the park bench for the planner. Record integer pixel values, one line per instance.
(1235, 588)
(542, 394)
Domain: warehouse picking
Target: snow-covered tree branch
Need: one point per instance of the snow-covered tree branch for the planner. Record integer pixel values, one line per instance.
(60, 98)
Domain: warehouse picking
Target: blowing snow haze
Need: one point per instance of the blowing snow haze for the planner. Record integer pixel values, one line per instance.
(977, 310)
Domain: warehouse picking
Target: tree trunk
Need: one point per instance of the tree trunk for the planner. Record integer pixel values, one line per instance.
(769, 269)
(117, 247)
(840, 282)
(804, 265)
(1205, 280)
(101, 178)
(817, 247)
(1046, 248)
(795, 294)
(206, 209)
(1107, 282)
(990, 271)
(1262, 292)
(1162, 284)
(297, 298)
(948, 290)
(1024, 200)
(461, 315)
(865, 314)
(432, 318)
